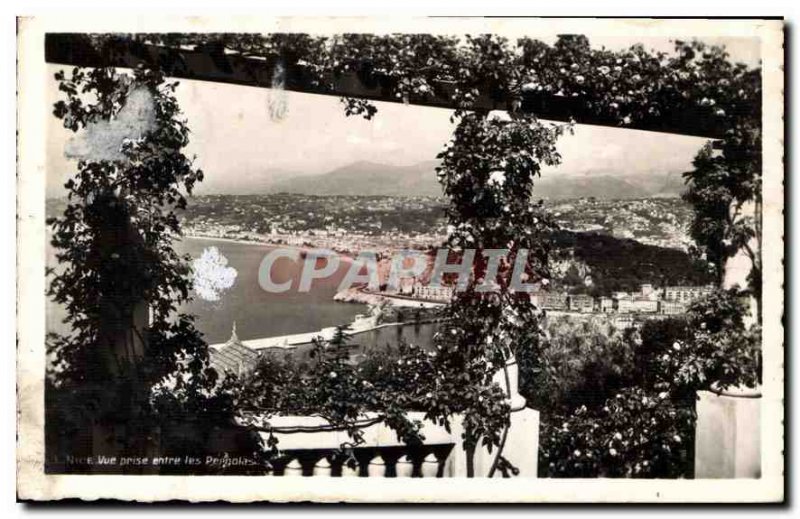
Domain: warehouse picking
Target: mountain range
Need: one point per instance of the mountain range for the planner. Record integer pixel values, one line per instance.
(374, 179)
(367, 179)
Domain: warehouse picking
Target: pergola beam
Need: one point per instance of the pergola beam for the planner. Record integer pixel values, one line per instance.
(215, 65)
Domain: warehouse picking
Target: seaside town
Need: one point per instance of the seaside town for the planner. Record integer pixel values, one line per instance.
(669, 300)
(385, 223)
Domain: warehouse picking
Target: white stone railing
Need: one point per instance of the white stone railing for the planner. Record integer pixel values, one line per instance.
(428, 461)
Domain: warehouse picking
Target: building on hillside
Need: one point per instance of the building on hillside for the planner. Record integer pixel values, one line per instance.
(625, 305)
(581, 303)
(685, 294)
(606, 305)
(624, 321)
(435, 293)
(549, 300)
(644, 305)
(671, 307)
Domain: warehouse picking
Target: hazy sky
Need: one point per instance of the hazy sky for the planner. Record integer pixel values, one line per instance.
(235, 138)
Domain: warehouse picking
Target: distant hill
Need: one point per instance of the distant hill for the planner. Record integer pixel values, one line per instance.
(559, 187)
(666, 185)
(367, 179)
(252, 183)
(370, 179)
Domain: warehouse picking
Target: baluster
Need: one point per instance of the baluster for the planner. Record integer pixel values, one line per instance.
(430, 466)
(293, 468)
(404, 467)
(348, 472)
(376, 468)
(322, 468)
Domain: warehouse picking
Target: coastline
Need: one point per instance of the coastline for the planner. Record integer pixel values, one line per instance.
(359, 295)
(347, 256)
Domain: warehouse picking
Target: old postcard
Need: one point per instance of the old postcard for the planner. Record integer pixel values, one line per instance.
(505, 260)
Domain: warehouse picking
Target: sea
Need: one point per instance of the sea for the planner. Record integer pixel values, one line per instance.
(258, 313)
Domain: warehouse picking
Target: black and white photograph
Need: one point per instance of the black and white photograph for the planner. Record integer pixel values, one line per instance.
(272, 258)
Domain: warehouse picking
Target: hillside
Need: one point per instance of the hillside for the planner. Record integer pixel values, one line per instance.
(623, 264)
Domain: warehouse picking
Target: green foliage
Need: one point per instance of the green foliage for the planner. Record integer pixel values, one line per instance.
(115, 235)
(657, 338)
(719, 188)
(581, 362)
(628, 86)
(647, 428)
(724, 183)
(114, 247)
(388, 384)
(488, 172)
(634, 434)
(721, 349)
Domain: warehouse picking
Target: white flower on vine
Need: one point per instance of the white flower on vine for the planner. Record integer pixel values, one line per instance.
(497, 178)
(499, 115)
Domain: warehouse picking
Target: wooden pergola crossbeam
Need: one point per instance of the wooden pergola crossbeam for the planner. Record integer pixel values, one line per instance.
(216, 65)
